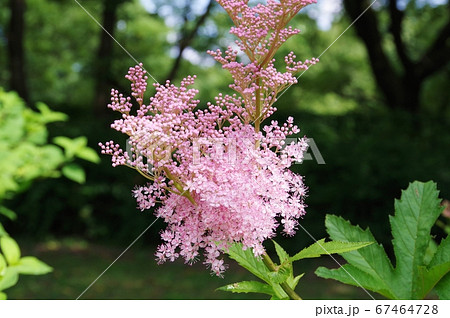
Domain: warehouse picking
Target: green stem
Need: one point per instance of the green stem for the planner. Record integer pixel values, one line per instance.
(272, 267)
(258, 106)
(179, 187)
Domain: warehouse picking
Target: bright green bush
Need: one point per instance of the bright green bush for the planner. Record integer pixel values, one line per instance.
(26, 155)
(12, 264)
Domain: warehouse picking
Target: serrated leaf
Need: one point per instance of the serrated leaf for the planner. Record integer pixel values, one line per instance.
(248, 287)
(293, 281)
(325, 248)
(371, 259)
(442, 254)
(415, 214)
(282, 254)
(428, 278)
(351, 275)
(30, 265)
(282, 274)
(9, 279)
(255, 266)
(284, 259)
(74, 172)
(10, 250)
(247, 260)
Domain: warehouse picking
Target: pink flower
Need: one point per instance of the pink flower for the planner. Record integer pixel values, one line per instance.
(214, 178)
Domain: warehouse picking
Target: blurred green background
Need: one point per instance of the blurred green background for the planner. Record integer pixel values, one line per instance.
(377, 107)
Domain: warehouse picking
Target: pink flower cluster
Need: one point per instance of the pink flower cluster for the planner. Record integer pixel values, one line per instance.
(215, 178)
(261, 31)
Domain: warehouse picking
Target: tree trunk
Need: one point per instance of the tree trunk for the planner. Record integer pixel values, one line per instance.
(15, 48)
(186, 40)
(105, 55)
(401, 88)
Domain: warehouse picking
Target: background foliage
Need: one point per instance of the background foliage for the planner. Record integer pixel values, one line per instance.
(371, 146)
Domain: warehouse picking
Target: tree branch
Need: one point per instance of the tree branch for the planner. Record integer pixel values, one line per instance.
(388, 80)
(396, 30)
(186, 40)
(437, 56)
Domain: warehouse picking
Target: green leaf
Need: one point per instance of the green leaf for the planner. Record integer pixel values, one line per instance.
(326, 248)
(351, 275)
(430, 252)
(279, 298)
(248, 287)
(256, 266)
(442, 254)
(3, 296)
(282, 274)
(9, 279)
(443, 287)
(428, 278)
(371, 259)
(88, 154)
(10, 214)
(415, 214)
(49, 115)
(293, 281)
(2, 231)
(419, 264)
(248, 260)
(71, 146)
(74, 172)
(284, 259)
(282, 254)
(30, 265)
(10, 249)
(3, 265)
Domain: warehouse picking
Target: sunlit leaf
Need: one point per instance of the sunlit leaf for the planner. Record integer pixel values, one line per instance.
(10, 250)
(9, 279)
(74, 172)
(30, 265)
(248, 260)
(325, 248)
(10, 214)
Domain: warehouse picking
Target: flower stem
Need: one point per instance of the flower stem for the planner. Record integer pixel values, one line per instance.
(258, 106)
(271, 266)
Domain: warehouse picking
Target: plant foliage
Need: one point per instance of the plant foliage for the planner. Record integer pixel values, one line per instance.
(283, 274)
(418, 269)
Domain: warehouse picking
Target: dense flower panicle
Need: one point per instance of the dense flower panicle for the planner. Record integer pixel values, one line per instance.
(262, 28)
(216, 179)
(261, 31)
